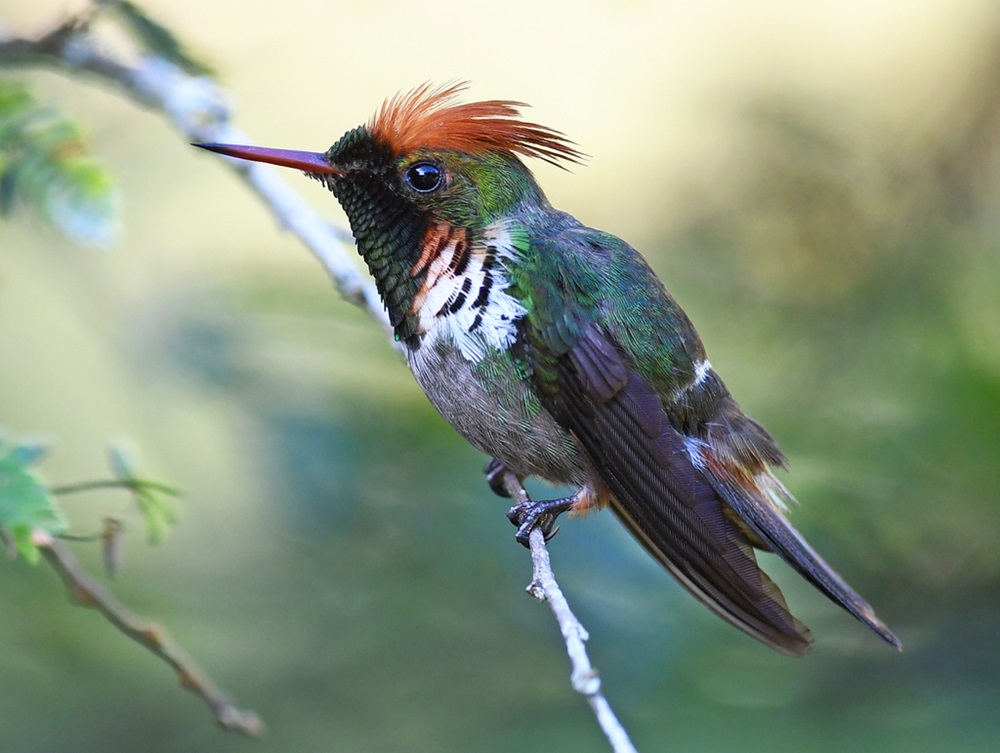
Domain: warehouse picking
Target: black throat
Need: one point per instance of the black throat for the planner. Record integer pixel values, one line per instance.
(389, 229)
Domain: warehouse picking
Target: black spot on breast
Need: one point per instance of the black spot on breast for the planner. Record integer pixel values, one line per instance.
(484, 292)
(491, 257)
(461, 260)
(460, 298)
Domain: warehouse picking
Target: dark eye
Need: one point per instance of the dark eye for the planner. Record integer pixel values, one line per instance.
(424, 177)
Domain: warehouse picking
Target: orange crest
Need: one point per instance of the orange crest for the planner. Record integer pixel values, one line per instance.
(426, 118)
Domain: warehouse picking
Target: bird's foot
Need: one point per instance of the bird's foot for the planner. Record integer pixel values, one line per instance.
(541, 514)
(527, 514)
(496, 476)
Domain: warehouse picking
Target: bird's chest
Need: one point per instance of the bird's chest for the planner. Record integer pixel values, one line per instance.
(492, 403)
(466, 325)
(463, 298)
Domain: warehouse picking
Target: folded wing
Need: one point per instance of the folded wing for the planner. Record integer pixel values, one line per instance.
(667, 503)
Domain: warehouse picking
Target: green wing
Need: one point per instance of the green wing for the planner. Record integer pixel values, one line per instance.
(610, 353)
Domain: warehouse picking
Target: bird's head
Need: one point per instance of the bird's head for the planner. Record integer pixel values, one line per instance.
(424, 161)
(458, 160)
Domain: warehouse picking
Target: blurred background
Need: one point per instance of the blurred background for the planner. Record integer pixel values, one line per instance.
(817, 183)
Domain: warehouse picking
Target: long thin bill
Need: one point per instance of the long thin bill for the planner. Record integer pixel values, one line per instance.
(310, 162)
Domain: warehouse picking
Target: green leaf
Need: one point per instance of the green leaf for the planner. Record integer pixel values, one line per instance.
(44, 164)
(153, 498)
(29, 454)
(158, 512)
(158, 39)
(121, 457)
(26, 506)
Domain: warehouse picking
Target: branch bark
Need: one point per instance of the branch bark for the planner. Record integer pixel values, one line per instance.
(199, 109)
(86, 591)
(544, 587)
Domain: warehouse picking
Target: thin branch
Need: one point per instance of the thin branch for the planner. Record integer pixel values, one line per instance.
(86, 591)
(584, 678)
(200, 110)
(134, 485)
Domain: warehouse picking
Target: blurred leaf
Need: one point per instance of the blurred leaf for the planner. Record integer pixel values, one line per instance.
(157, 511)
(157, 39)
(44, 164)
(122, 460)
(153, 498)
(28, 454)
(26, 506)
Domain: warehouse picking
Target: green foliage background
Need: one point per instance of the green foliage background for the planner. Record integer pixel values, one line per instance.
(817, 184)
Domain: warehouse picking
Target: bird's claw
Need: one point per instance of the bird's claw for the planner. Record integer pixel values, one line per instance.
(496, 477)
(542, 515)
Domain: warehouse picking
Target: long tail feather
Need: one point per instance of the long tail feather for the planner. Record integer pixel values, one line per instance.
(752, 504)
(665, 501)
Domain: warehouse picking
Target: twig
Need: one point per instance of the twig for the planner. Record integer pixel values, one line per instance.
(200, 111)
(115, 483)
(86, 591)
(544, 587)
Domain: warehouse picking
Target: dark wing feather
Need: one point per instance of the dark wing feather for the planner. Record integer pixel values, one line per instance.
(778, 535)
(660, 495)
(688, 471)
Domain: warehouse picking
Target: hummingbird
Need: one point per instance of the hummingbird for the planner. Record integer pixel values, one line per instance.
(555, 349)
